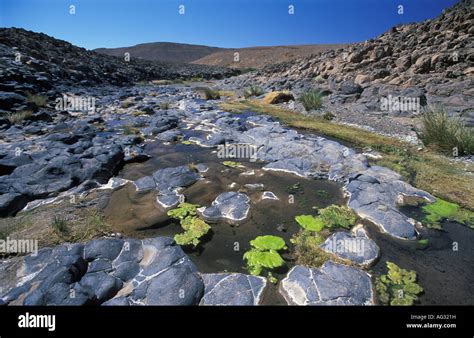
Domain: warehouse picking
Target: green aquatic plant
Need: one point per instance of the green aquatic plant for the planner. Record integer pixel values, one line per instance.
(231, 164)
(194, 227)
(271, 278)
(336, 216)
(441, 210)
(263, 254)
(310, 223)
(268, 243)
(423, 242)
(398, 286)
(186, 142)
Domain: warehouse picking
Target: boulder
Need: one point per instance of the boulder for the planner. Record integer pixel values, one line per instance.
(232, 289)
(332, 284)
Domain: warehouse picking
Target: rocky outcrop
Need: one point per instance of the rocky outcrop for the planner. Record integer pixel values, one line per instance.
(37, 63)
(376, 194)
(115, 271)
(332, 284)
(354, 246)
(232, 289)
(429, 62)
(232, 206)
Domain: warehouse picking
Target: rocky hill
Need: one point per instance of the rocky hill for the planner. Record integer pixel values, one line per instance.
(162, 51)
(36, 62)
(251, 57)
(432, 61)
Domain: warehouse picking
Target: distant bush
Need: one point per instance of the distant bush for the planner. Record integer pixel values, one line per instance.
(247, 70)
(211, 94)
(37, 100)
(446, 133)
(18, 117)
(253, 91)
(319, 79)
(311, 100)
(129, 130)
(328, 116)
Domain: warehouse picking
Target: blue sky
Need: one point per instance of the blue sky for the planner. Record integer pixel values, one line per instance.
(222, 23)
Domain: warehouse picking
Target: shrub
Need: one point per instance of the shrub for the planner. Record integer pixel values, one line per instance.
(37, 100)
(328, 116)
(253, 91)
(18, 117)
(311, 100)
(446, 133)
(59, 224)
(210, 94)
(319, 79)
(129, 130)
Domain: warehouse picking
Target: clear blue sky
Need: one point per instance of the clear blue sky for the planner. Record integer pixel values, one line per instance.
(222, 23)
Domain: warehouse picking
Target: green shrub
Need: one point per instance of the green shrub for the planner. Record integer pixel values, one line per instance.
(129, 130)
(311, 100)
(59, 224)
(253, 91)
(446, 133)
(328, 116)
(37, 100)
(18, 117)
(319, 79)
(210, 94)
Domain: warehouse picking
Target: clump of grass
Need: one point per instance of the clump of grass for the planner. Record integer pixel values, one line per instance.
(37, 100)
(18, 117)
(138, 113)
(210, 94)
(129, 130)
(164, 105)
(126, 104)
(445, 133)
(307, 250)
(311, 100)
(253, 91)
(336, 216)
(319, 79)
(328, 116)
(59, 225)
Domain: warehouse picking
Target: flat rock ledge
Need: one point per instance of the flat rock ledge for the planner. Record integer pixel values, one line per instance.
(114, 271)
(354, 246)
(167, 181)
(332, 284)
(231, 205)
(232, 289)
(376, 194)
